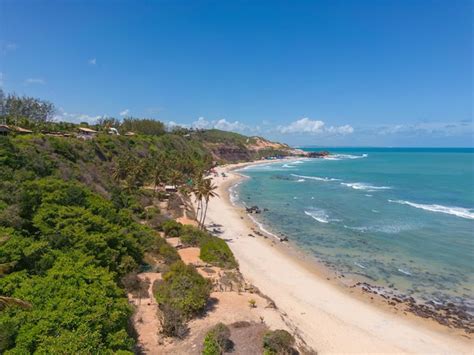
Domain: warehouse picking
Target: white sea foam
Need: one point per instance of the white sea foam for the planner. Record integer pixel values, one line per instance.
(317, 178)
(359, 265)
(288, 166)
(365, 187)
(385, 228)
(345, 156)
(318, 214)
(233, 196)
(300, 180)
(261, 227)
(404, 272)
(455, 211)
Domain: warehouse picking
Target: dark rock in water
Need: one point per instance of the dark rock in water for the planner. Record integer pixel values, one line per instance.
(265, 210)
(318, 154)
(253, 209)
(283, 239)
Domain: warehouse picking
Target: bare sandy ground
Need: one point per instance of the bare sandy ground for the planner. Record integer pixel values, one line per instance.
(329, 319)
(145, 317)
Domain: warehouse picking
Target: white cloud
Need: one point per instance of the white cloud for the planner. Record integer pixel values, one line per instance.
(427, 128)
(92, 61)
(225, 125)
(346, 129)
(30, 81)
(306, 125)
(303, 125)
(76, 117)
(201, 123)
(221, 124)
(124, 112)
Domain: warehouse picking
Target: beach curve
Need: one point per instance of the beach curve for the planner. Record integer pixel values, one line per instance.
(328, 319)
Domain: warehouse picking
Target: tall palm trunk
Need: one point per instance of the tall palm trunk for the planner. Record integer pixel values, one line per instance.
(204, 214)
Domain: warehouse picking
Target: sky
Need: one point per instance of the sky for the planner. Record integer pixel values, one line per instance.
(328, 73)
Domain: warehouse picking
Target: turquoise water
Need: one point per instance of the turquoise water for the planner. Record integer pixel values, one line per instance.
(398, 218)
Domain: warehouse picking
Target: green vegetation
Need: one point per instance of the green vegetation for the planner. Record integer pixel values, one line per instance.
(183, 289)
(278, 342)
(143, 126)
(172, 228)
(65, 257)
(217, 340)
(75, 227)
(182, 294)
(213, 250)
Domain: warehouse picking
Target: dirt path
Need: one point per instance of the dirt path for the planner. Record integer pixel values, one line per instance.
(145, 319)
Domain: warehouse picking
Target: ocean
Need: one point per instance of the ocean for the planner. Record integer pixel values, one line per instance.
(401, 219)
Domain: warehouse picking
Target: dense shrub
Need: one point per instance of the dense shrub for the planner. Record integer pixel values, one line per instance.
(74, 301)
(279, 342)
(183, 289)
(217, 340)
(216, 252)
(171, 228)
(173, 323)
(211, 346)
(192, 236)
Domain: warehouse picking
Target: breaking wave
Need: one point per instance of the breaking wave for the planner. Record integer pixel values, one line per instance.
(365, 187)
(455, 211)
(317, 178)
(319, 215)
(344, 156)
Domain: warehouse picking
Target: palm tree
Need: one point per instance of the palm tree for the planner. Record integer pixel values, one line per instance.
(159, 170)
(208, 193)
(121, 169)
(198, 192)
(11, 301)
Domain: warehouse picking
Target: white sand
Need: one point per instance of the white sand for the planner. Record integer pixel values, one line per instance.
(328, 318)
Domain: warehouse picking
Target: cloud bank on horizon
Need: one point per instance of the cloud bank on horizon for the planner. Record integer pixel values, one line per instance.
(305, 131)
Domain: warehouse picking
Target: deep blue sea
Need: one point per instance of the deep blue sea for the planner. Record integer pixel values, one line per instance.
(398, 218)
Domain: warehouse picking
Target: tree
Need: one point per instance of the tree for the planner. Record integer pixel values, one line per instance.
(208, 189)
(183, 289)
(279, 342)
(143, 126)
(198, 191)
(17, 109)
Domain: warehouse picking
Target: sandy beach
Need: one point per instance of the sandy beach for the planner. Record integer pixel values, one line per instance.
(328, 318)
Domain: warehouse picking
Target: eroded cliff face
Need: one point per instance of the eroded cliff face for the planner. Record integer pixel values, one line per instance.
(254, 148)
(230, 153)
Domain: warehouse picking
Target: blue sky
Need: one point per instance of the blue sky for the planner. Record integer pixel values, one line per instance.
(380, 72)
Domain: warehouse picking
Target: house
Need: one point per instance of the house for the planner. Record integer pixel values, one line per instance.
(86, 133)
(21, 130)
(113, 131)
(171, 188)
(6, 130)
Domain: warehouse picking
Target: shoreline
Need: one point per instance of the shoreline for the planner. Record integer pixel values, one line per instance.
(329, 314)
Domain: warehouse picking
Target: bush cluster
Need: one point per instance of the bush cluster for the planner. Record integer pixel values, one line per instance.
(213, 250)
(181, 294)
(278, 342)
(217, 340)
(66, 258)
